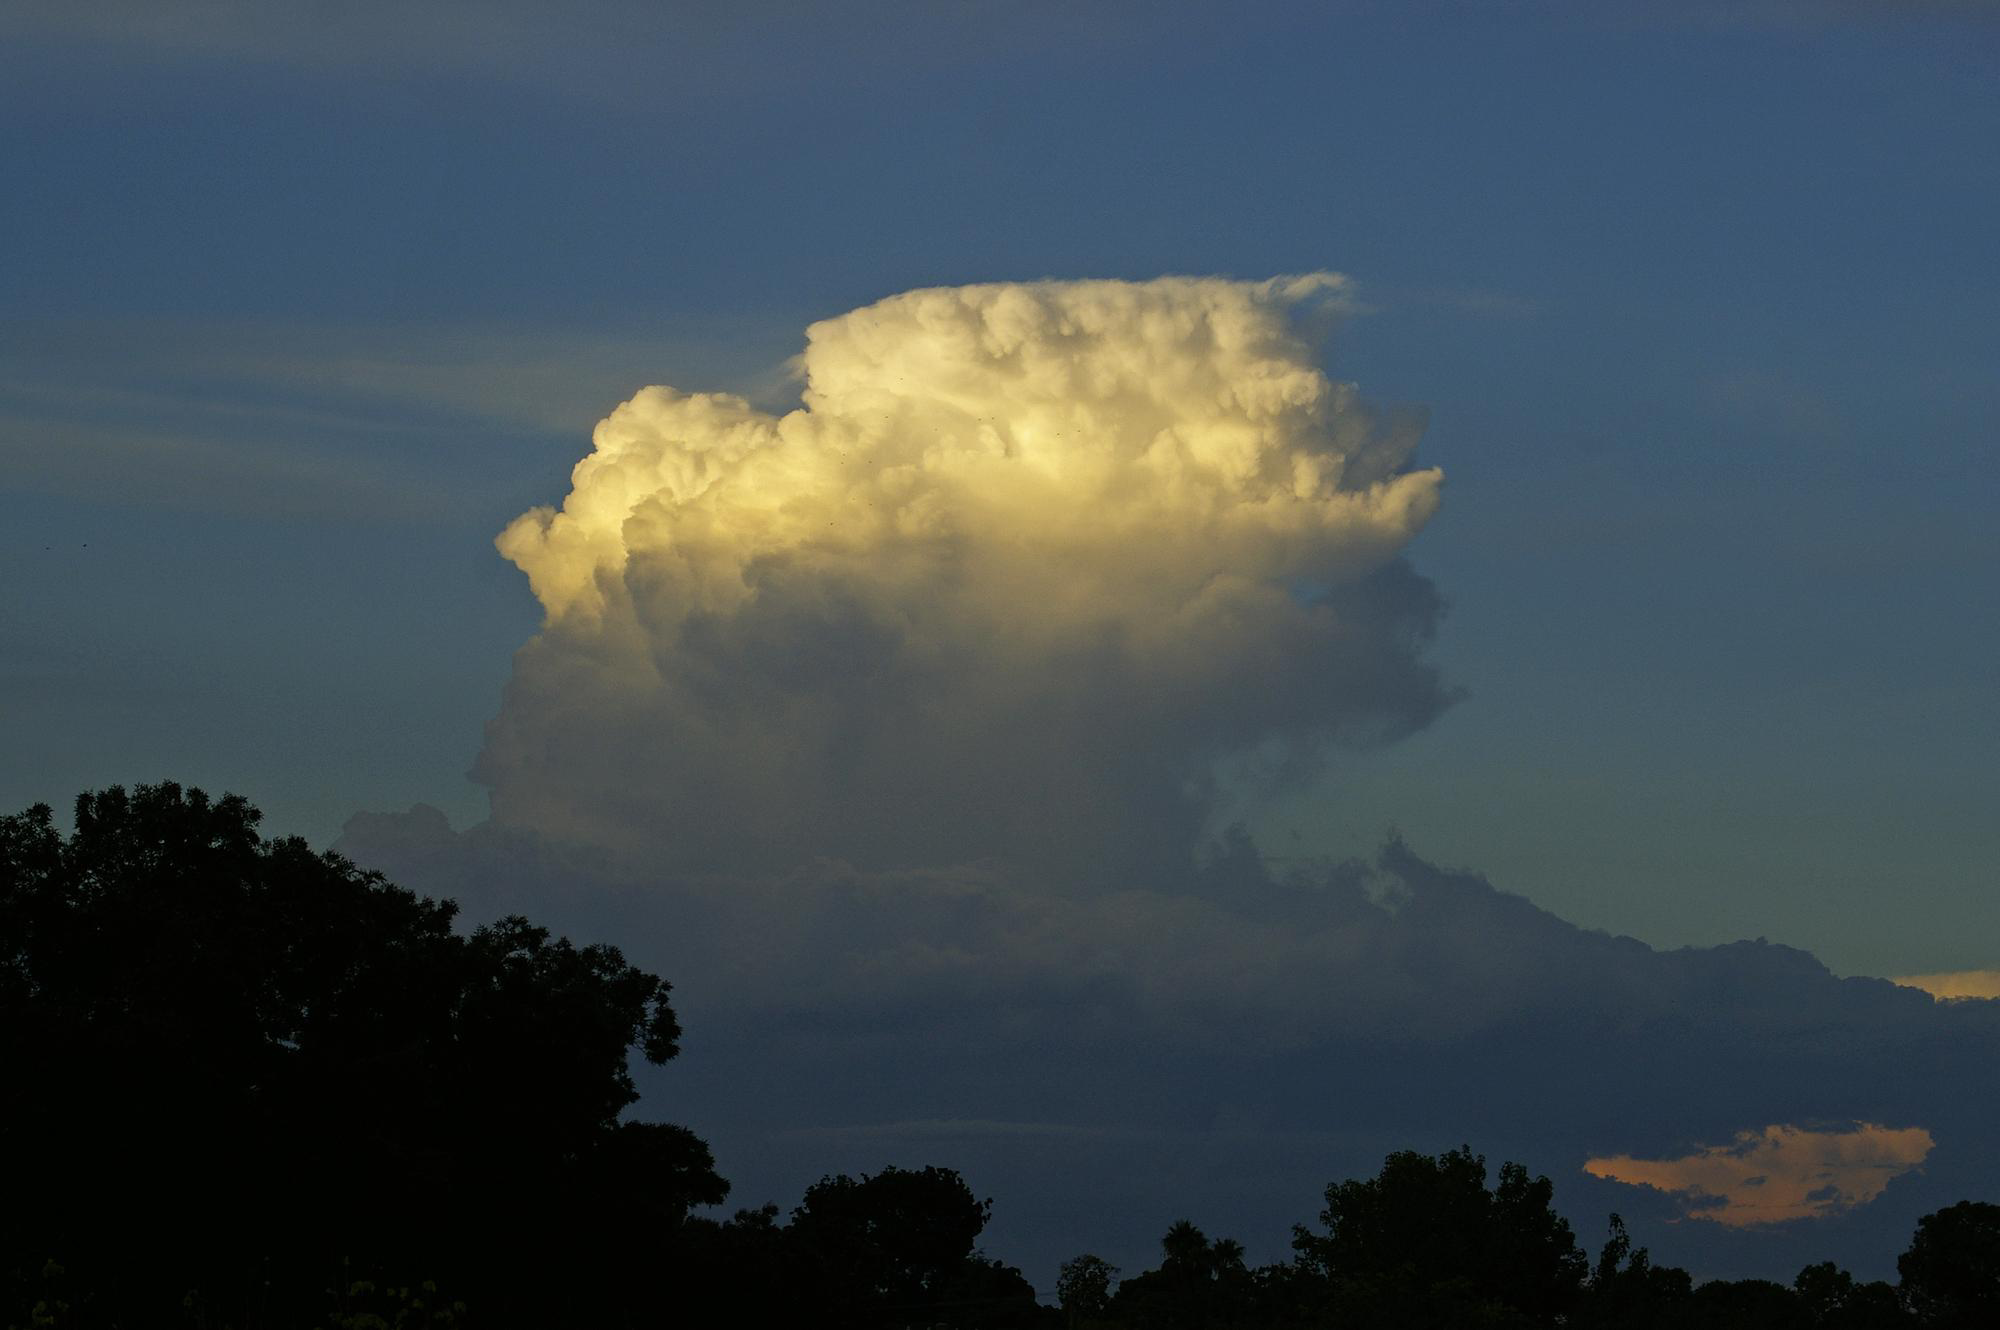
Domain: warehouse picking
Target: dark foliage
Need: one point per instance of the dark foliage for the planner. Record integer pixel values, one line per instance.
(1200, 1282)
(893, 1249)
(1834, 1300)
(1083, 1288)
(1626, 1289)
(1415, 1248)
(1428, 1232)
(1951, 1273)
(247, 1073)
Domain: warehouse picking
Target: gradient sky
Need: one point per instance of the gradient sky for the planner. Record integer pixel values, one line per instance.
(298, 311)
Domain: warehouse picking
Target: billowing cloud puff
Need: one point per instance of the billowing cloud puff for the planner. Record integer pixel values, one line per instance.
(1028, 560)
(1780, 1173)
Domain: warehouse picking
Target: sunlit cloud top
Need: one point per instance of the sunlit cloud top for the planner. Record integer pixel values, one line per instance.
(1032, 553)
(1143, 438)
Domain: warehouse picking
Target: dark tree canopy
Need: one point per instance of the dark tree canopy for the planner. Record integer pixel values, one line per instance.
(1428, 1225)
(1951, 1273)
(1200, 1282)
(1626, 1289)
(1833, 1299)
(894, 1248)
(898, 1236)
(1083, 1287)
(244, 1063)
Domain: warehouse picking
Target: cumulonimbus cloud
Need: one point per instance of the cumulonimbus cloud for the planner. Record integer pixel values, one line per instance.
(1026, 562)
(1780, 1173)
(883, 728)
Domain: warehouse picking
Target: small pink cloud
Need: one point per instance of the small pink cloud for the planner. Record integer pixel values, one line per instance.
(1780, 1173)
(1955, 986)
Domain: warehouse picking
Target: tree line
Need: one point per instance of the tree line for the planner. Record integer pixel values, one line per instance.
(249, 1085)
(1427, 1245)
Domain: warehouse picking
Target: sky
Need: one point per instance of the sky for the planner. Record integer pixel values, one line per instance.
(1634, 596)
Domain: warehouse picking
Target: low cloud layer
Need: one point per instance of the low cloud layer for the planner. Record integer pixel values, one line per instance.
(1030, 559)
(1779, 1174)
(1106, 1062)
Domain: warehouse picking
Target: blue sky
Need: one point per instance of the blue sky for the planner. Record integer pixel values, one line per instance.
(1700, 306)
(297, 312)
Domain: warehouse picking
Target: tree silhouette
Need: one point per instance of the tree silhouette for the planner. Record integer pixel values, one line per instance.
(1627, 1289)
(248, 1070)
(899, 1247)
(1951, 1273)
(1745, 1304)
(1834, 1300)
(1083, 1288)
(1427, 1226)
(1199, 1283)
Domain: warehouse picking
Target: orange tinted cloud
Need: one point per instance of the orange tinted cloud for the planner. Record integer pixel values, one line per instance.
(1779, 1173)
(1956, 985)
